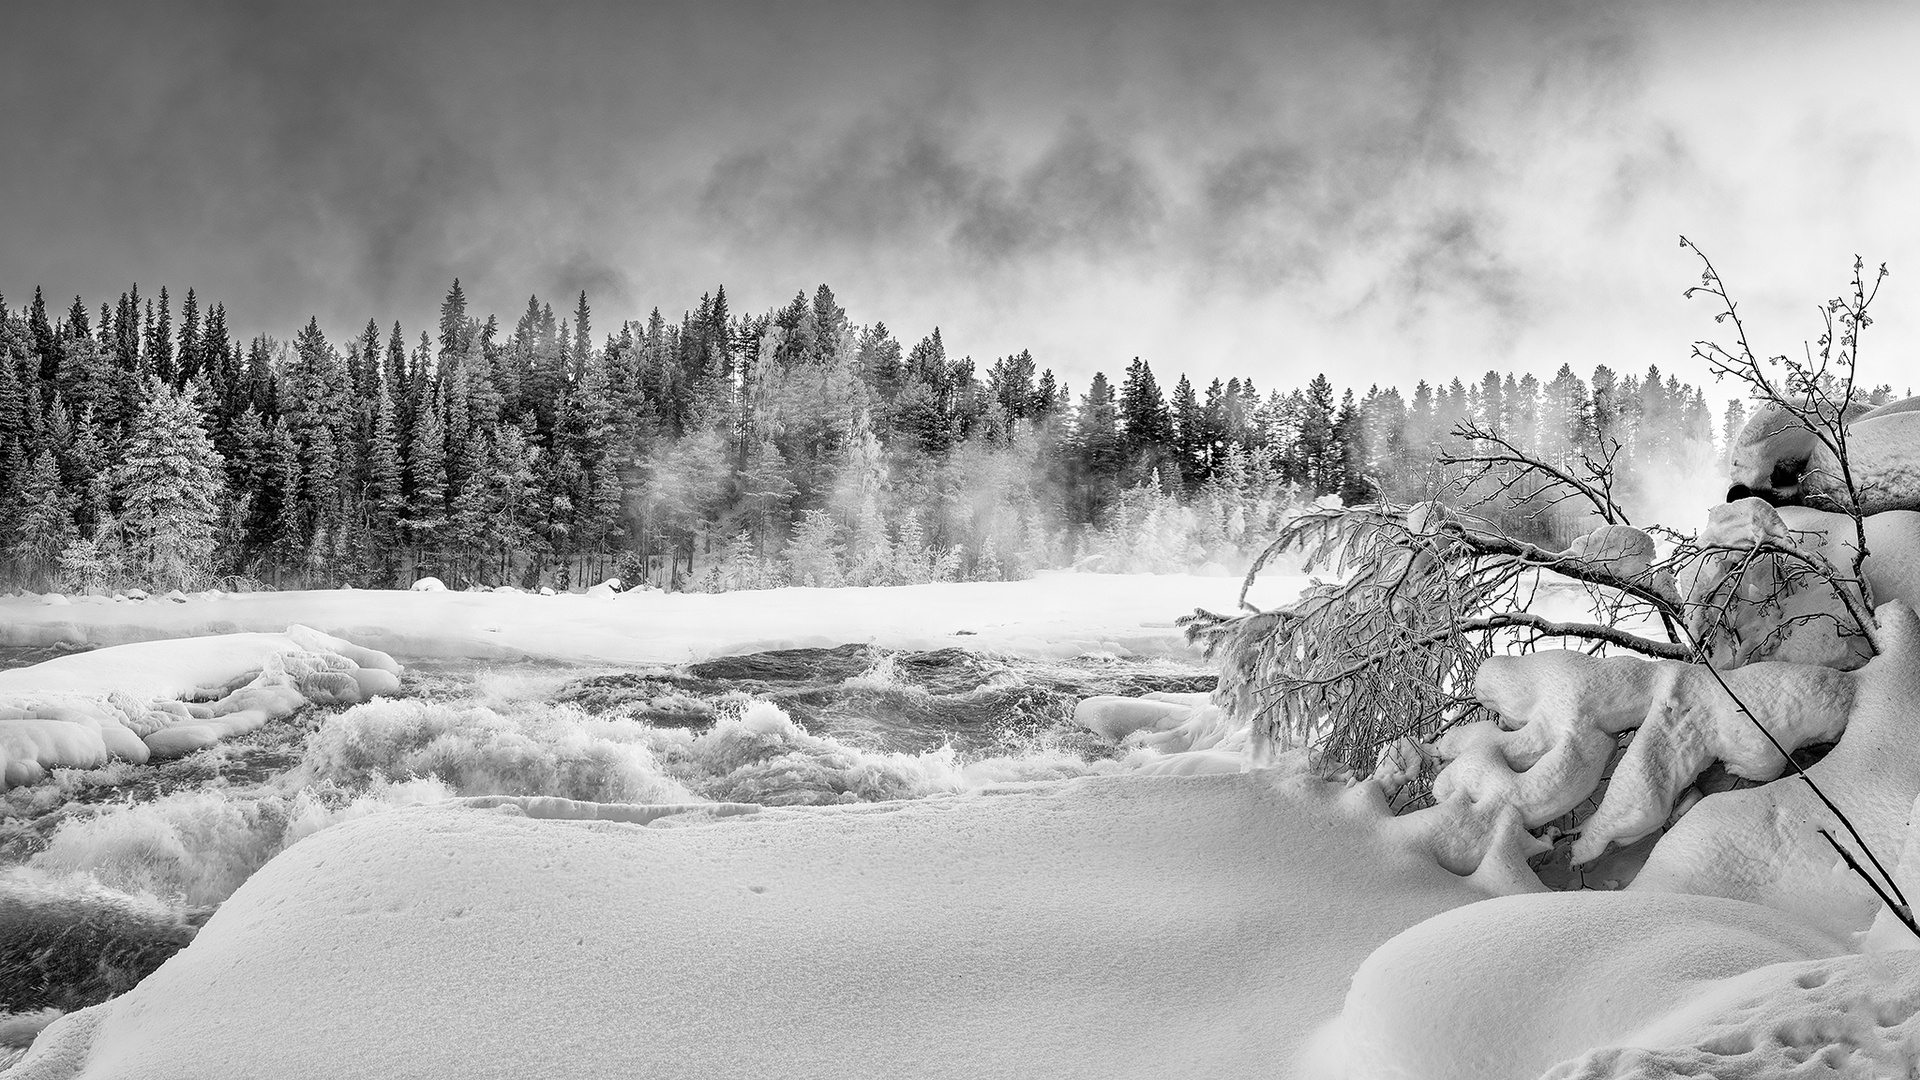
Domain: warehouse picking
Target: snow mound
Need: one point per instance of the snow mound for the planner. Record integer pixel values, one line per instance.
(1780, 459)
(1763, 844)
(1171, 723)
(1561, 715)
(1751, 606)
(1843, 1016)
(428, 584)
(169, 698)
(1530, 981)
(1012, 932)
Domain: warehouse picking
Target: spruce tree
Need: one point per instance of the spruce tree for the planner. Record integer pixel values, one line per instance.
(45, 345)
(41, 523)
(189, 357)
(160, 339)
(386, 496)
(167, 484)
(426, 479)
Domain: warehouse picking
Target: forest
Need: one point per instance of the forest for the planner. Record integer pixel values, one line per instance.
(140, 447)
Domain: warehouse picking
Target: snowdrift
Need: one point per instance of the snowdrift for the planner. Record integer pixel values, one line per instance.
(168, 698)
(1109, 927)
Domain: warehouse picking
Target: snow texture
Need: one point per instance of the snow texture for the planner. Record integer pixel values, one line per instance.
(1817, 1019)
(1748, 608)
(1053, 614)
(1533, 980)
(1561, 715)
(1762, 844)
(1016, 932)
(170, 698)
(1779, 459)
(1171, 723)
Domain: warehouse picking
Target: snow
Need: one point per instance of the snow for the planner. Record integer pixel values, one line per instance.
(428, 584)
(1171, 723)
(1109, 927)
(1778, 457)
(1532, 980)
(1054, 614)
(169, 698)
(578, 895)
(1762, 844)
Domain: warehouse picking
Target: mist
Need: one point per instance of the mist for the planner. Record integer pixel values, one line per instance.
(1398, 189)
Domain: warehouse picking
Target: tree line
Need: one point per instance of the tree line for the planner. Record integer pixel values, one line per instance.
(721, 450)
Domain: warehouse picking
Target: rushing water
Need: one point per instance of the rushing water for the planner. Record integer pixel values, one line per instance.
(105, 872)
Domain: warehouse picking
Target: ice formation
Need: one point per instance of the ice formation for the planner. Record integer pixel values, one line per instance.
(1778, 458)
(168, 698)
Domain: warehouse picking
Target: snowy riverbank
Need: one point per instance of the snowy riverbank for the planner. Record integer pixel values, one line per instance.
(1053, 614)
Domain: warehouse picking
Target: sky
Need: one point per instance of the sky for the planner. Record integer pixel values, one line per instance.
(1384, 191)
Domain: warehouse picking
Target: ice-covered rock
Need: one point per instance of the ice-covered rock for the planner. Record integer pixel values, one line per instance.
(1763, 844)
(429, 584)
(1779, 458)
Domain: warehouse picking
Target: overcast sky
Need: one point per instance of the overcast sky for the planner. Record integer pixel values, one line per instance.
(1383, 191)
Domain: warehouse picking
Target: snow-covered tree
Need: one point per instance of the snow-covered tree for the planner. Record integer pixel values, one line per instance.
(168, 487)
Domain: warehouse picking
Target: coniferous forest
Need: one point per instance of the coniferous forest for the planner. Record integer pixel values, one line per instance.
(144, 445)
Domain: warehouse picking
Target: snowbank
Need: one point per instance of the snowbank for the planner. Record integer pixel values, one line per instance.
(1054, 614)
(168, 698)
(1111, 927)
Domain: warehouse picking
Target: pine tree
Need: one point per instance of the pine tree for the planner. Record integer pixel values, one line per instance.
(426, 480)
(168, 486)
(160, 339)
(76, 326)
(1190, 436)
(45, 345)
(454, 330)
(41, 523)
(190, 354)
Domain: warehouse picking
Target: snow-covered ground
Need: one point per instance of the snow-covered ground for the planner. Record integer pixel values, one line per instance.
(1054, 614)
(640, 906)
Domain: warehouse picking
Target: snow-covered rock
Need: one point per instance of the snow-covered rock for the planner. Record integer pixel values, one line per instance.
(1763, 844)
(1561, 715)
(429, 584)
(609, 587)
(1749, 607)
(547, 590)
(1169, 723)
(1623, 549)
(168, 698)
(1781, 460)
